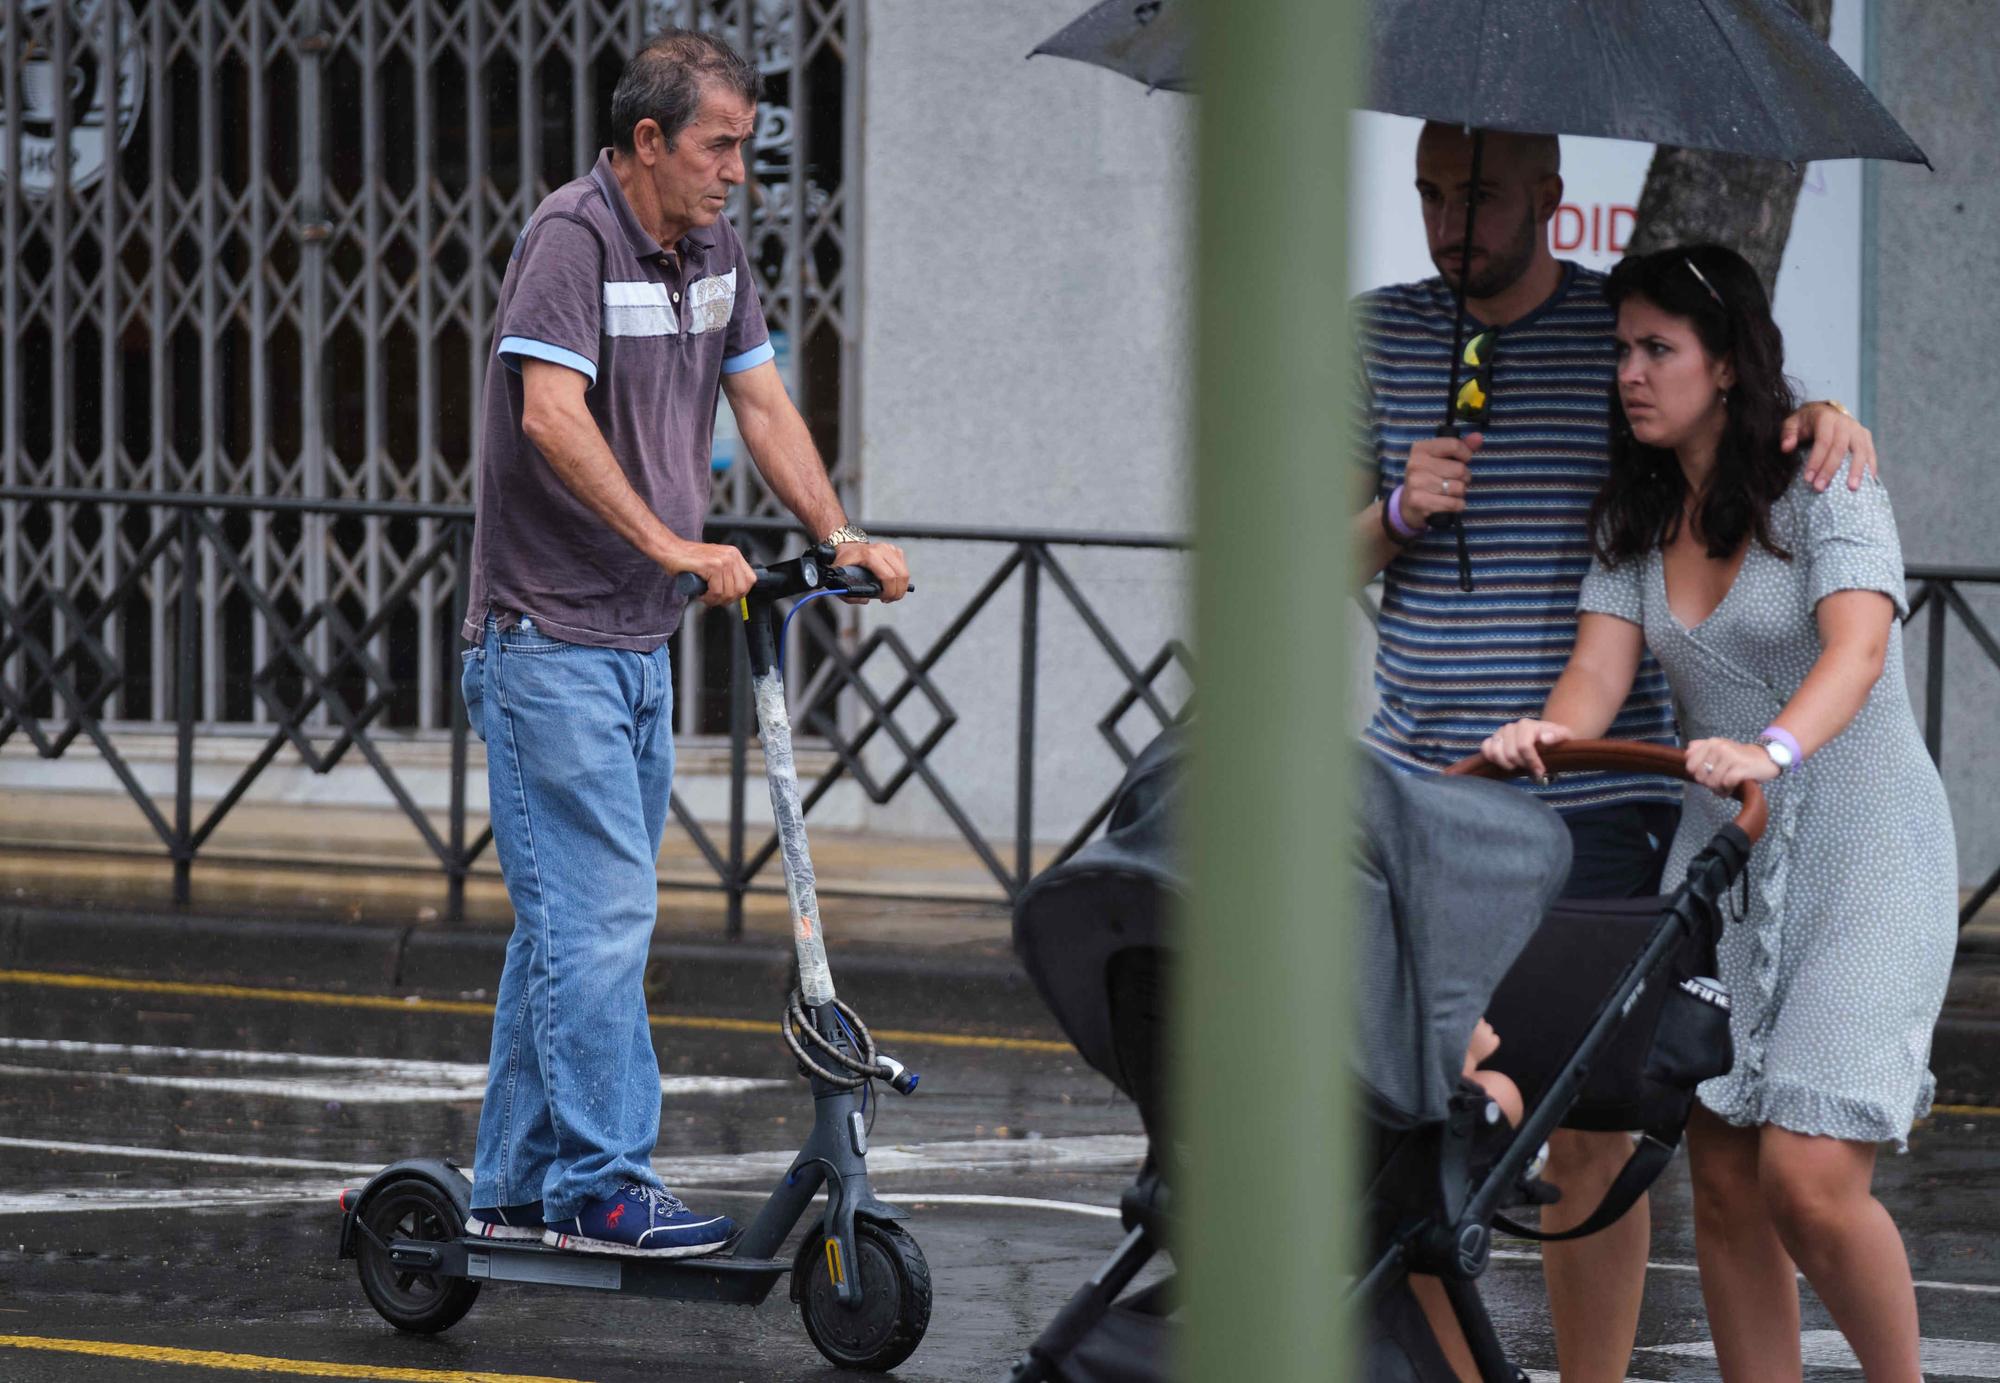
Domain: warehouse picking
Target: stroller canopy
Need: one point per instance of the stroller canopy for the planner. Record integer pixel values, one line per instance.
(1453, 877)
(1093, 932)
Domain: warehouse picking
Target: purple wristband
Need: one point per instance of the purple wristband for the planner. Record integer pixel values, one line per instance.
(1394, 513)
(1784, 737)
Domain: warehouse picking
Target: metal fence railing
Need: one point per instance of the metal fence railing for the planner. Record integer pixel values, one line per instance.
(337, 677)
(1935, 593)
(255, 247)
(330, 674)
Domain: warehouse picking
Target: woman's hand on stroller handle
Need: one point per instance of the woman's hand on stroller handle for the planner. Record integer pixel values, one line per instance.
(1624, 756)
(1519, 745)
(1720, 764)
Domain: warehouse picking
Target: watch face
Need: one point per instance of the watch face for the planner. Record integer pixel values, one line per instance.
(1780, 755)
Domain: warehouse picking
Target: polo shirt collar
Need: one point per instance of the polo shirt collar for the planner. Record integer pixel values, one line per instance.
(643, 245)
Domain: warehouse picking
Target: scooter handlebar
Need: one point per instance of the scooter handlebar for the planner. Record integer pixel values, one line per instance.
(690, 586)
(795, 577)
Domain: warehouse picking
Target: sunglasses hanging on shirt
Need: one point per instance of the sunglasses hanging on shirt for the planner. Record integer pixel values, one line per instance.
(1471, 405)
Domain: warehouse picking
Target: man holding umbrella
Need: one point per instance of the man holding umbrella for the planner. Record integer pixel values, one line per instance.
(1452, 666)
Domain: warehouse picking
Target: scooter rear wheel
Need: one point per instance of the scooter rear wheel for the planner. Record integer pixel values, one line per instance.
(424, 1303)
(895, 1310)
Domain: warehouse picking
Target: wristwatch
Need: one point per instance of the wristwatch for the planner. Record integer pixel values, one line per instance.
(1781, 753)
(846, 533)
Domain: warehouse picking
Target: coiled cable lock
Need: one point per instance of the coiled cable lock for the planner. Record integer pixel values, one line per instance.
(858, 1067)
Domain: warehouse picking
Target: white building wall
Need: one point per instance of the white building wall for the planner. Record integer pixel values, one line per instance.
(1025, 309)
(1937, 279)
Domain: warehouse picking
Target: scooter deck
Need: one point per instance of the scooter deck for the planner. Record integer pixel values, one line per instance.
(718, 1277)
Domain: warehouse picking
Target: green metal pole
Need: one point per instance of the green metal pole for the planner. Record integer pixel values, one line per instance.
(1269, 1214)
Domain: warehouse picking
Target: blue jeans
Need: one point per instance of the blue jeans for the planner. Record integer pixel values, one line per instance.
(580, 760)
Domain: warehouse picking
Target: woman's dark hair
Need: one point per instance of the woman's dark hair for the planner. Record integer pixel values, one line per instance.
(664, 82)
(1643, 499)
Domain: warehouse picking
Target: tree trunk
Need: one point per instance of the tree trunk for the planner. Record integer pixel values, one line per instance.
(1692, 197)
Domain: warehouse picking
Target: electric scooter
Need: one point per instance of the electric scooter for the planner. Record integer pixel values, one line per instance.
(861, 1283)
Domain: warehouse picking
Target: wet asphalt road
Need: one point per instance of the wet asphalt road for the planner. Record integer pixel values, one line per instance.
(166, 1219)
(135, 1238)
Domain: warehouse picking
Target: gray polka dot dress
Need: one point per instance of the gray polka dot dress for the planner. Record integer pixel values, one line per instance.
(1838, 968)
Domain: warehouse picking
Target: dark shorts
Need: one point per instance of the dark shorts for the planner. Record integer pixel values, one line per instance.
(1618, 852)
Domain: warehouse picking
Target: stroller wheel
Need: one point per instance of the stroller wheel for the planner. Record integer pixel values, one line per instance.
(895, 1307)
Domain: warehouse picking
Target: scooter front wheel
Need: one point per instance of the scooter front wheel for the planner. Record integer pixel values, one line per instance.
(887, 1325)
(411, 1207)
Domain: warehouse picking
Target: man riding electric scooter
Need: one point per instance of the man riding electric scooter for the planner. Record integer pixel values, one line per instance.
(628, 303)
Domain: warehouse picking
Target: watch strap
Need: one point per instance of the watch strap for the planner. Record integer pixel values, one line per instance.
(1783, 739)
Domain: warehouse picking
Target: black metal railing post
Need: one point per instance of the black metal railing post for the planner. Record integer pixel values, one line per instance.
(1024, 764)
(187, 648)
(458, 865)
(1934, 675)
(741, 718)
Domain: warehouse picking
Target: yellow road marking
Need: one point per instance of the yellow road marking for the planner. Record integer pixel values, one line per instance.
(1972, 1111)
(264, 1363)
(388, 1003)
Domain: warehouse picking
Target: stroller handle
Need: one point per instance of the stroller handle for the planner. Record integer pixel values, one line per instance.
(1624, 756)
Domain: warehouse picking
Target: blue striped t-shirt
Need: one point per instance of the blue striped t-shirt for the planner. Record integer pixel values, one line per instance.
(1452, 667)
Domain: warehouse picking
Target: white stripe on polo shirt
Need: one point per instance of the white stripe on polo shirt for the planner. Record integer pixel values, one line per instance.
(638, 308)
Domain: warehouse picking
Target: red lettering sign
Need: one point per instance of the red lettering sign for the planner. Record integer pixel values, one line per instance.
(1566, 239)
(1600, 228)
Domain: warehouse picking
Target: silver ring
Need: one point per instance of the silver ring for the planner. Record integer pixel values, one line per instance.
(1444, 487)
(1708, 767)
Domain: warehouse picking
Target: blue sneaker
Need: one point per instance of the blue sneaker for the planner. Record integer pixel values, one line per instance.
(640, 1222)
(506, 1221)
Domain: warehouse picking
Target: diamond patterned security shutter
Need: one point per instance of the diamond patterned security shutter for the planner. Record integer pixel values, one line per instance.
(267, 266)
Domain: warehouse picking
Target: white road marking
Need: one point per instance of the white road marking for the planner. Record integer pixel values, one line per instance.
(920, 1199)
(214, 1159)
(1826, 1349)
(349, 1080)
(265, 1193)
(1082, 1152)
(1984, 1289)
(166, 1197)
(1527, 1256)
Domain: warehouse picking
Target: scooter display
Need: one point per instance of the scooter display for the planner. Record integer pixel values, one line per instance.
(861, 1283)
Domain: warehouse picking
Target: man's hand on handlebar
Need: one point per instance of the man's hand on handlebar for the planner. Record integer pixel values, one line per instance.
(725, 571)
(884, 561)
(1518, 745)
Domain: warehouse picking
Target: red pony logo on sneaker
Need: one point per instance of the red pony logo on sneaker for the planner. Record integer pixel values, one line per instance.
(617, 1214)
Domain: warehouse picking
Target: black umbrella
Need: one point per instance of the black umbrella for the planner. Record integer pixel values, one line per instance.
(1733, 76)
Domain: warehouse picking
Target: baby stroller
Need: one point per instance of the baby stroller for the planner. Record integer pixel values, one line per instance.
(1092, 934)
(1443, 862)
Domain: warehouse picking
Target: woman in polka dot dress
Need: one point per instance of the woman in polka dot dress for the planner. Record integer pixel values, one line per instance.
(1774, 610)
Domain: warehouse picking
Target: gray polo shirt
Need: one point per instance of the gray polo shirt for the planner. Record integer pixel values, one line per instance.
(654, 333)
